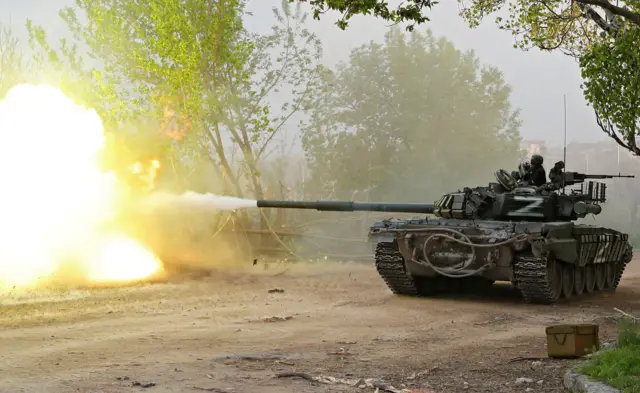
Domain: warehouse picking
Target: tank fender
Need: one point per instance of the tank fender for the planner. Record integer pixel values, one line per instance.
(382, 237)
(378, 233)
(559, 240)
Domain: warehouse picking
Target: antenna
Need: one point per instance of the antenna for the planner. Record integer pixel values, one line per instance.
(565, 143)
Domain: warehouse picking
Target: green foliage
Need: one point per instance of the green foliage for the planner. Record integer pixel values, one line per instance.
(14, 67)
(581, 28)
(154, 55)
(612, 85)
(154, 61)
(619, 367)
(412, 12)
(191, 70)
(545, 24)
(572, 27)
(409, 119)
(602, 35)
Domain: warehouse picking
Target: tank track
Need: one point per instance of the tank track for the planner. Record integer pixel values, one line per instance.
(537, 286)
(390, 266)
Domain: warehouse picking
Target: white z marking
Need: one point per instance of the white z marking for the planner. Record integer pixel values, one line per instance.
(603, 248)
(528, 210)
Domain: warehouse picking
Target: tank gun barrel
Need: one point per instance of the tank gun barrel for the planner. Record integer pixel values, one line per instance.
(349, 206)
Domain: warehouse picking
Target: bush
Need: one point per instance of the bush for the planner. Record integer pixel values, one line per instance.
(619, 367)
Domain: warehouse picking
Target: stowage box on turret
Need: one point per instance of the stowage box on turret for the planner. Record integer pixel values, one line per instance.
(506, 231)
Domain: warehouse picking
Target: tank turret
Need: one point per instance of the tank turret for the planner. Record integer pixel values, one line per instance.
(509, 199)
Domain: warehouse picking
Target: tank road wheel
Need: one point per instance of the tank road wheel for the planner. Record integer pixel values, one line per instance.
(601, 276)
(568, 280)
(390, 266)
(590, 278)
(579, 280)
(539, 278)
(610, 275)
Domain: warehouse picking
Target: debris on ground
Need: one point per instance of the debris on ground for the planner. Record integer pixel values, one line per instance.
(373, 383)
(527, 358)
(276, 290)
(277, 319)
(143, 384)
(522, 380)
(341, 351)
(422, 373)
(216, 390)
(253, 356)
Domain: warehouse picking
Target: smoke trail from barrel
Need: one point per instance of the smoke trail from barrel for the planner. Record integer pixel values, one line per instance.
(190, 199)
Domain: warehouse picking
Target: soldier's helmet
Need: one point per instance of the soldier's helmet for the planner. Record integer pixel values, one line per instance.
(536, 160)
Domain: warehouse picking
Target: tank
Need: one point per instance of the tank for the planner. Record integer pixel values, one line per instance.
(505, 231)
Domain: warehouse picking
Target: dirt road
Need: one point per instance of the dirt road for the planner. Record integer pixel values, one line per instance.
(336, 320)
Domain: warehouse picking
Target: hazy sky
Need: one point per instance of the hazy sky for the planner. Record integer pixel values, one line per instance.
(539, 79)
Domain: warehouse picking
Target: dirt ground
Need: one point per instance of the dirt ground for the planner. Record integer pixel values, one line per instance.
(338, 320)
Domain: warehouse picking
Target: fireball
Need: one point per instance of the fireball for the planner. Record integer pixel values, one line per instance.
(55, 199)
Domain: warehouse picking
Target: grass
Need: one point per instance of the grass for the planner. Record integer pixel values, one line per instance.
(619, 367)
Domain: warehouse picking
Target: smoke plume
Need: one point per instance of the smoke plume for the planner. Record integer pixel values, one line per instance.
(190, 199)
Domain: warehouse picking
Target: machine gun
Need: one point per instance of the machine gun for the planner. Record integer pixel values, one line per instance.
(589, 192)
(571, 178)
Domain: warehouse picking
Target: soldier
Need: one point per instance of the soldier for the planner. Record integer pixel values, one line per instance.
(538, 174)
(555, 174)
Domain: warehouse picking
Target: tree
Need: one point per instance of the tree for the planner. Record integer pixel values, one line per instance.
(192, 67)
(602, 35)
(14, 67)
(409, 119)
(413, 12)
(550, 24)
(612, 86)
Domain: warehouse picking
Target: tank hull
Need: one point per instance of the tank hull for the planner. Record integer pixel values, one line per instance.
(546, 261)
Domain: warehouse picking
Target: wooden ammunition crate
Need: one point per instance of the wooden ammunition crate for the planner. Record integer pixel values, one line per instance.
(572, 341)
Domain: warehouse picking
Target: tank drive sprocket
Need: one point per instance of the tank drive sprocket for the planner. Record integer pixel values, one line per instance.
(391, 268)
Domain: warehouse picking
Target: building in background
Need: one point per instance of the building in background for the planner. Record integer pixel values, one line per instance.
(533, 146)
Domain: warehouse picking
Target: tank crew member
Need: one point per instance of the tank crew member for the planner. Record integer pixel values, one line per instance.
(525, 171)
(538, 174)
(555, 174)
